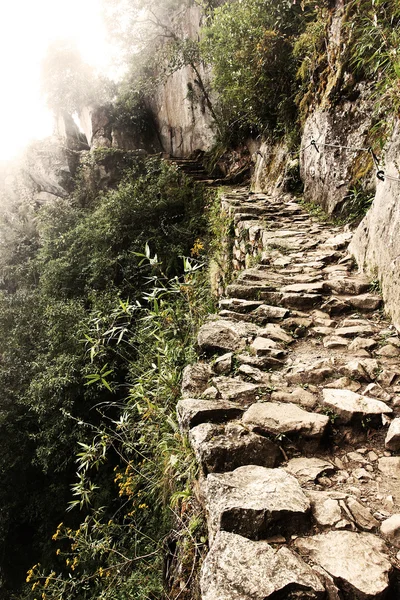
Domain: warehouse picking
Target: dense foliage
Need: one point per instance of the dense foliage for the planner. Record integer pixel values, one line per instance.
(85, 344)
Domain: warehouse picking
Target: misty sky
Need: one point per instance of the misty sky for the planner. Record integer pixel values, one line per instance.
(26, 29)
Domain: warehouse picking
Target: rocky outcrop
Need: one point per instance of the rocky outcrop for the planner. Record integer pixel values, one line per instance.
(330, 168)
(183, 120)
(376, 243)
(45, 171)
(103, 130)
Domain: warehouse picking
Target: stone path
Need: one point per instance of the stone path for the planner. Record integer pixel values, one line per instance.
(292, 413)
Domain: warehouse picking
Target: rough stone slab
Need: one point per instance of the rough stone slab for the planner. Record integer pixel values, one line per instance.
(219, 335)
(348, 285)
(344, 383)
(276, 333)
(300, 301)
(335, 306)
(303, 288)
(392, 441)
(372, 367)
(352, 407)
(354, 369)
(262, 346)
(264, 313)
(335, 341)
(252, 292)
(338, 242)
(362, 515)
(236, 390)
(308, 469)
(360, 343)
(255, 502)
(230, 315)
(221, 448)
(358, 562)
(312, 374)
(355, 331)
(298, 396)
(239, 305)
(223, 364)
(256, 375)
(294, 323)
(240, 569)
(274, 360)
(365, 302)
(389, 351)
(192, 412)
(195, 380)
(285, 419)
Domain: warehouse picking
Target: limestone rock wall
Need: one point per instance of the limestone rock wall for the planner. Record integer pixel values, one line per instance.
(275, 169)
(183, 120)
(102, 131)
(376, 243)
(327, 171)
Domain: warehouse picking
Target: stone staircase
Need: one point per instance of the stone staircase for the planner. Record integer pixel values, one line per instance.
(193, 168)
(291, 412)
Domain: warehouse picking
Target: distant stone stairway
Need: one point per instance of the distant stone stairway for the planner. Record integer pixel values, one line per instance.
(194, 168)
(291, 411)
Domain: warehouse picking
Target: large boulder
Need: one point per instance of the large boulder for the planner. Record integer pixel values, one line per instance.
(221, 448)
(240, 569)
(358, 562)
(256, 502)
(376, 243)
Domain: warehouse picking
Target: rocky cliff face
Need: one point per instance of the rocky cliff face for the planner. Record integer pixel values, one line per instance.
(183, 121)
(44, 171)
(339, 157)
(376, 244)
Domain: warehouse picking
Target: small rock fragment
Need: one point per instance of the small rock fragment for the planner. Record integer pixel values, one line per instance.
(392, 441)
(390, 529)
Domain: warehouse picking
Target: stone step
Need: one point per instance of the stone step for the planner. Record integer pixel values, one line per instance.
(222, 448)
(256, 502)
(241, 569)
(358, 562)
(285, 420)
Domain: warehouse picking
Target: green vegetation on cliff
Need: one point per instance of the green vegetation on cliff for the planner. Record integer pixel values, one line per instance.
(96, 331)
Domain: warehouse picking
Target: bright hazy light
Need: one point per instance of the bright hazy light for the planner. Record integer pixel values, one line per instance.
(26, 29)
